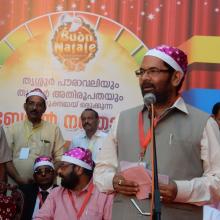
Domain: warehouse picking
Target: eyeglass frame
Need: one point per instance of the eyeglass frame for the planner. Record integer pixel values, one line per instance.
(150, 72)
(46, 171)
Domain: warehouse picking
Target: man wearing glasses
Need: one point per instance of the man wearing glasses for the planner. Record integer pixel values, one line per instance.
(187, 142)
(36, 193)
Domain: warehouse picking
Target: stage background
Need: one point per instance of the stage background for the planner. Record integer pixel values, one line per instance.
(123, 32)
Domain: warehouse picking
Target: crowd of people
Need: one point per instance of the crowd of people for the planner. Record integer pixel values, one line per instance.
(109, 176)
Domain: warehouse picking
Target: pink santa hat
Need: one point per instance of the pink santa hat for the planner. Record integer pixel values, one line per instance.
(173, 56)
(79, 156)
(43, 161)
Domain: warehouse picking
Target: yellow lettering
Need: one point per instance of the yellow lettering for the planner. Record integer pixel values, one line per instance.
(92, 48)
(64, 35)
(67, 48)
(58, 47)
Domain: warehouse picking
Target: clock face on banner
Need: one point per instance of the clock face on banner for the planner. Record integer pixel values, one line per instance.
(80, 60)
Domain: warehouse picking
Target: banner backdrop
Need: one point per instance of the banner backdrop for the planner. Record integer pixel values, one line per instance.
(80, 60)
(83, 54)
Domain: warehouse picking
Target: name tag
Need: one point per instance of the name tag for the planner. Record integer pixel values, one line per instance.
(24, 153)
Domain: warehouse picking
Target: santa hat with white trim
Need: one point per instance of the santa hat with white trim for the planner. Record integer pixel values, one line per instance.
(43, 161)
(37, 92)
(173, 56)
(79, 156)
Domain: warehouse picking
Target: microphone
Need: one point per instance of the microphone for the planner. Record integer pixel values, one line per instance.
(149, 99)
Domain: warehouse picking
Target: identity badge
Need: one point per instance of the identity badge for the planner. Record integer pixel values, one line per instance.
(24, 153)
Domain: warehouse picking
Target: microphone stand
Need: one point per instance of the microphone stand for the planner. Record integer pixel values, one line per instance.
(156, 212)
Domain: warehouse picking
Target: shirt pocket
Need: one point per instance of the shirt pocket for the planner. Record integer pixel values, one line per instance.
(42, 148)
(185, 149)
(45, 147)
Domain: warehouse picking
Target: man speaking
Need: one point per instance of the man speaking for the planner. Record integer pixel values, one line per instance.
(188, 146)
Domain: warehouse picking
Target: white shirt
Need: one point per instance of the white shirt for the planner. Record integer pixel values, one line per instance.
(37, 203)
(94, 143)
(201, 190)
(210, 213)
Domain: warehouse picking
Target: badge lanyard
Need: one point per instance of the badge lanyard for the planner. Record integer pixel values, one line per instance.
(86, 200)
(144, 140)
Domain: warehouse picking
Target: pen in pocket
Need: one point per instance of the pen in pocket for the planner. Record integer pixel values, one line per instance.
(45, 141)
(171, 138)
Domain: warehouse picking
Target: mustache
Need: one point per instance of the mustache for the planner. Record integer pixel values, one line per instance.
(147, 85)
(34, 111)
(87, 124)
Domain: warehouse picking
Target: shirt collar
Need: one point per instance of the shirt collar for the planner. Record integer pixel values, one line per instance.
(30, 124)
(97, 134)
(84, 190)
(48, 190)
(181, 105)
(178, 104)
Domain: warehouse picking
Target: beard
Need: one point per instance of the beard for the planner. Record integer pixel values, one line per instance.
(162, 95)
(162, 98)
(70, 181)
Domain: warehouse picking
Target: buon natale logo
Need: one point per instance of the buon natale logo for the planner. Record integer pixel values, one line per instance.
(74, 43)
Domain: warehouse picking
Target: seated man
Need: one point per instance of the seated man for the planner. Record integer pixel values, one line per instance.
(5, 155)
(36, 193)
(90, 137)
(77, 198)
(32, 137)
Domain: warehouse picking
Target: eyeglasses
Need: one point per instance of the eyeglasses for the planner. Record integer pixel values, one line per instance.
(44, 171)
(150, 72)
(139, 209)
